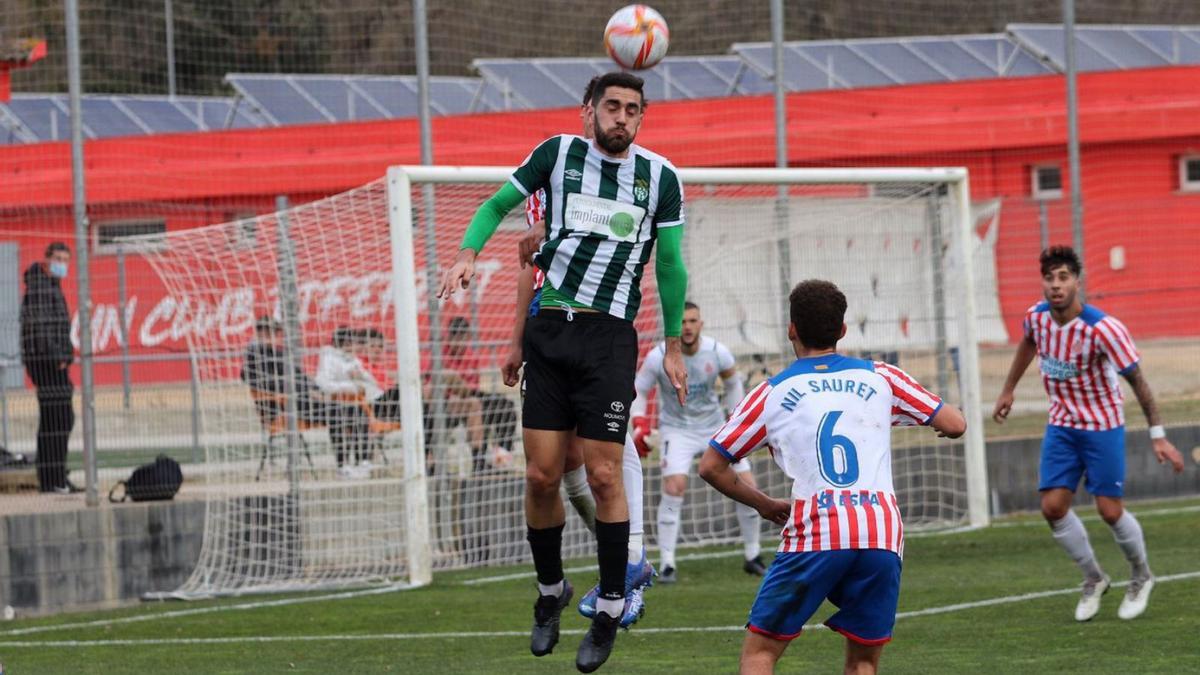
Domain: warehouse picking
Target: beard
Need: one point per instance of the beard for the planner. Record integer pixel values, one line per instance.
(610, 141)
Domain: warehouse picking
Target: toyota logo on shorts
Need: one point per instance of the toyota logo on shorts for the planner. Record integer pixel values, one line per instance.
(617, 406)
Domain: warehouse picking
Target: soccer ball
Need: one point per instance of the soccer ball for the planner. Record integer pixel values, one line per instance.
(636, 37)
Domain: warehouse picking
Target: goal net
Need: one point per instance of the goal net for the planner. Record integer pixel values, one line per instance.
(299, 499)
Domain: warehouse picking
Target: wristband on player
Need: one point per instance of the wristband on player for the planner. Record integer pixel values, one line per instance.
(1157, 431)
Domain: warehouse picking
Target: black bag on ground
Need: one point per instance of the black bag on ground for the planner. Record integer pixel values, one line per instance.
(157, 480)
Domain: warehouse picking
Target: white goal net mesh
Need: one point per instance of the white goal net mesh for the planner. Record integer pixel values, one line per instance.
(327, 508)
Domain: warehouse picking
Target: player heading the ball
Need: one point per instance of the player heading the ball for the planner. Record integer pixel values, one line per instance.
(608, 202)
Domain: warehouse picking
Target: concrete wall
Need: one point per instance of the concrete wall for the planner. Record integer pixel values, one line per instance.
(71, 560)
(1013, 470)
(101, 557)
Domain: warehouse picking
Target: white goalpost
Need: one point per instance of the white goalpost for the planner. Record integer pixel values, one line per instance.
(292, 504)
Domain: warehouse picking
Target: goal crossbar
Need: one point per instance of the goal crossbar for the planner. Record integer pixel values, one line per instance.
(402, 178)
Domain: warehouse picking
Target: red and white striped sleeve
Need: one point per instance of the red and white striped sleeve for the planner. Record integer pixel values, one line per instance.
(746, 429)
(1117, 344)
(535, 208)
(912, 404)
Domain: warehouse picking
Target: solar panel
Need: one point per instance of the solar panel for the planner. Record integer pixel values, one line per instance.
(275, 97)
(1112, 47)
(41, 116)
(874, 62)
(1175, 46)
(160, 115)
(559, 82)
(44, 117)
(906, 64)
(800, 73)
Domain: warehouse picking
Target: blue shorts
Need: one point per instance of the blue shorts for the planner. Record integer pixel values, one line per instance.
(1069, 453)
(864, 584)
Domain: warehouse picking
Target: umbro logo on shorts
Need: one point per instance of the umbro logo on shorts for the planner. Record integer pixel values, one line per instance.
(614, 427)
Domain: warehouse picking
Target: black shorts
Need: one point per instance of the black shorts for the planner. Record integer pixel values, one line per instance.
(579, 371)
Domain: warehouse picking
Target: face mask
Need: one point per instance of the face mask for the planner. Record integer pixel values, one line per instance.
(58, 269)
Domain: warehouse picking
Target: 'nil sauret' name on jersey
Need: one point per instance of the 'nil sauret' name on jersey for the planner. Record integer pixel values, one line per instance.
(827, 421)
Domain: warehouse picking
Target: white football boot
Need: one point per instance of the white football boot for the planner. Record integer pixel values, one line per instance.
(1089, 601)
(1136, 597)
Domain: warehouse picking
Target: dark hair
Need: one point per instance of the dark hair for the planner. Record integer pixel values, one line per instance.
(690, 305)
(589, 89)
(617, 79)
(56, 246)
(818, 311)
(1058, 256)
(459, 326)
(344, 337)
(265, 324)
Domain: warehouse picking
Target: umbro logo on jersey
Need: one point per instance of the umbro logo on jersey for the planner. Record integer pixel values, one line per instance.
(573, 174)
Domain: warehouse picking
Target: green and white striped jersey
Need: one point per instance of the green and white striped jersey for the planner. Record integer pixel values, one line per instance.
(602, 218)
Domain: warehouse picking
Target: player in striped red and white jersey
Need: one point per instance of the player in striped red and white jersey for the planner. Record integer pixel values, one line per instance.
(1081, 350)
(826, 420)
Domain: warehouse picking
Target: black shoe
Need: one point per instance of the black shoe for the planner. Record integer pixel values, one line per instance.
(667, 575)
(597, 644)
(546, 611)
(755, 566)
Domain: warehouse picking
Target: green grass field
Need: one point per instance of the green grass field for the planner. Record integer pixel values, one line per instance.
(692, 627)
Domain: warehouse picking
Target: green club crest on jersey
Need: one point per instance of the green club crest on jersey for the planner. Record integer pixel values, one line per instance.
(641, 191)
(621, 224)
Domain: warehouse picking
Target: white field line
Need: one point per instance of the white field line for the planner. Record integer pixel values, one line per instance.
(914, 535)
(945, 609)
(200, 610)
(482, 580)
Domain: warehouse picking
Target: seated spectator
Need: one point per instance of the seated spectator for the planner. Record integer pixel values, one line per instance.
(380, 362)
(264, 369)
(462, 366)
(340, 371)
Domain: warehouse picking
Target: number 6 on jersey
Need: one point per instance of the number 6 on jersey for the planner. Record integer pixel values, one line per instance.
(836, 454)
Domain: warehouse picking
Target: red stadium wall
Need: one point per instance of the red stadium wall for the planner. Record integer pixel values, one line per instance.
(1133, 123)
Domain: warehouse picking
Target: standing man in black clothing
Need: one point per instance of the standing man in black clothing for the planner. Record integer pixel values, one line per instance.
(47, 352)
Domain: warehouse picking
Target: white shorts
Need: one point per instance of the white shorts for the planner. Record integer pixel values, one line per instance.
(681, 446)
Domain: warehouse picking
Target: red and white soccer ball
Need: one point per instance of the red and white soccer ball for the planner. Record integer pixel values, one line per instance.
(636, 37)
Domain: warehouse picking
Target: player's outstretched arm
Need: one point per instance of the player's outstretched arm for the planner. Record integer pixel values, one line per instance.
(483, 225)
(672, 279)
(716, 470)
(1026, 350)
(949, 422)
(1164, 450)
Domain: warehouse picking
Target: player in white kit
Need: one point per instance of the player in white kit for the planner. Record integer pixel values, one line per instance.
(685, 430)
(826, 420)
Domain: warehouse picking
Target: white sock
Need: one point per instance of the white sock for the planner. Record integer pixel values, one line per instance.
(669, 508)
(748, 523)
(1128, 533)
(1069, 532)
(553, 589)
(636, 548)
(631, 475)
(580, 496)
(613, 608)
